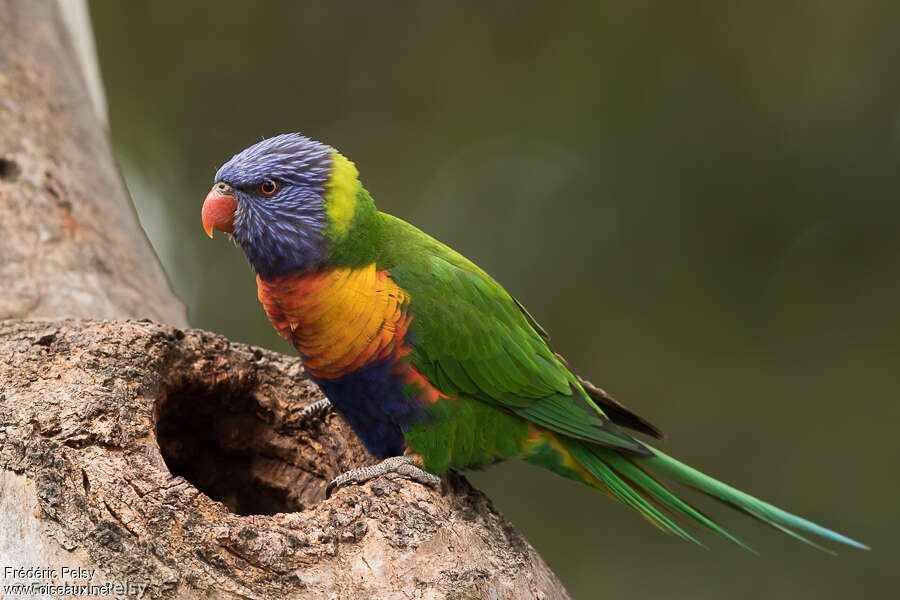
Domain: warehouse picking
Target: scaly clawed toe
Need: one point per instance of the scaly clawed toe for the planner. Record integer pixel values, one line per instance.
(317, 409)
(404, 466)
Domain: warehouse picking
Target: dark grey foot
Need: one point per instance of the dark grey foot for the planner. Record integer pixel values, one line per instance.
(401, 465)
(317, 409)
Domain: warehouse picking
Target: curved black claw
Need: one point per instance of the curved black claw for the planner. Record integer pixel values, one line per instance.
(319, 409)
(401, 465)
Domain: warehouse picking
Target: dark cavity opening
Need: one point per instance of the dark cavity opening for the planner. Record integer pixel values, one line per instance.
(238, 452)
(9, 169)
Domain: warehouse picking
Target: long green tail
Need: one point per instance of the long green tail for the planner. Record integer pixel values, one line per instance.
(633, 481)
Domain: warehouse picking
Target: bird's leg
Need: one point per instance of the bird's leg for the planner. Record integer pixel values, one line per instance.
(404, 466)
(319, 409)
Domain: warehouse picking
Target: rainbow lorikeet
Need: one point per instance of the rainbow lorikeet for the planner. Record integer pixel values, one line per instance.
(429, 359)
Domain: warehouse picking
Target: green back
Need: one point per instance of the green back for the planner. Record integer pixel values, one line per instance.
(469, 337)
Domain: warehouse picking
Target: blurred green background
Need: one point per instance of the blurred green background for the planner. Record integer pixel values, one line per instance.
(698, 201)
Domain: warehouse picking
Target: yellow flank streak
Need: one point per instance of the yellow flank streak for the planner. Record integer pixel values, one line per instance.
(538, 436)
(340, 194)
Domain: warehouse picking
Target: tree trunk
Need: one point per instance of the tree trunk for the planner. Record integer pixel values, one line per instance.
(173, 461)
(176, 460)
(70, 244)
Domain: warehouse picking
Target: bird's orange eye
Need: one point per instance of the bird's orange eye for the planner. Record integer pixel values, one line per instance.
(268, 187)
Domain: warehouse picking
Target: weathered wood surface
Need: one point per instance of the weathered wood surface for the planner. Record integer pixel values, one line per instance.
(70, 244)
(99, 420)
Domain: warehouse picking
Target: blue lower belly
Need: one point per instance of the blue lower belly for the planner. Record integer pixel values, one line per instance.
(371, 399)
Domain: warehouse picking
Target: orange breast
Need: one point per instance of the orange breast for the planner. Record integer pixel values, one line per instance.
(340, 319)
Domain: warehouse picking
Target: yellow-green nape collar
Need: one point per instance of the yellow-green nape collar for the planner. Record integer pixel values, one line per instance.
(340, 194)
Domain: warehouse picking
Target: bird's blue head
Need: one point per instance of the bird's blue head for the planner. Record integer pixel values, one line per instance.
(275, 199)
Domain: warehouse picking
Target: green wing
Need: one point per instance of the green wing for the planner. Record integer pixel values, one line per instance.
(469, 336)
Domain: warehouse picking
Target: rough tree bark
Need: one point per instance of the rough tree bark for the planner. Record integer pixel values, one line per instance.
(117, 424)
(171, 458)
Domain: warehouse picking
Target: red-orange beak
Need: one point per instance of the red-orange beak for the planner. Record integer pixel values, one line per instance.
(218, 209)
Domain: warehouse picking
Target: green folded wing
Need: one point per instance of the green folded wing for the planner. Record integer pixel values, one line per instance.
(469, 336)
